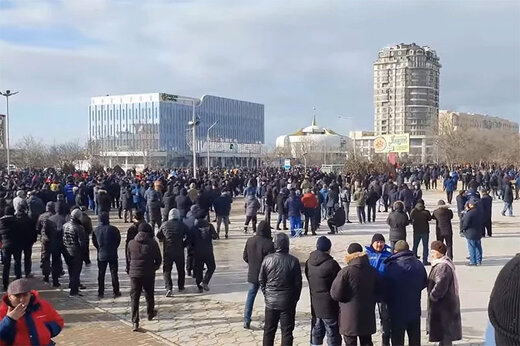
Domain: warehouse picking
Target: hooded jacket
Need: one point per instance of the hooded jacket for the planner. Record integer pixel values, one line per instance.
(280, 277)
(397, 220)
(257, 247)
(74, 235)
(40, 323)
(419, 217)
(143, 256)
(321, 270)
(252, 205)
(201, 238)
(48, 228)
(173, 234)
(106, 239)
(9, 234)
(473, 223)
(443, 216)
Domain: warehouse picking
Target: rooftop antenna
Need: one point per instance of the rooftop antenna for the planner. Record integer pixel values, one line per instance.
(314, 116)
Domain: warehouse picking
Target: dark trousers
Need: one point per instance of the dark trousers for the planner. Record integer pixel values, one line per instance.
(7, 253)
(371, 212)
(487, 227)
(74, 265)
(448, 240)
(413, 329)
(267, 218)
(223, 219)
(167, 272)
(102, 268)
(309, 217)
(86, 252)
(449, 196)
(128, 214)
(137, 285)
(385, 202)
(384, 317)
(361, 214)
(346, 206)
(200, 261)
(286, 319)
(365, 340)
(51, 263)
(434, 184)
(190, 260)
(282, 218)
(27, 261)
(424, 238)
(253, 221)
(328, 326)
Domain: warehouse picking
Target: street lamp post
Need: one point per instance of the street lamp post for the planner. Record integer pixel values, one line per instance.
(207, 140)
(7, 94)
(350, 118)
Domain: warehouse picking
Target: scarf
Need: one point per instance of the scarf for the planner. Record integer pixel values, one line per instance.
(447, 261)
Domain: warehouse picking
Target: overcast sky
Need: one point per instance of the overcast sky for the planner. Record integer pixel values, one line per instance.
(288, 55)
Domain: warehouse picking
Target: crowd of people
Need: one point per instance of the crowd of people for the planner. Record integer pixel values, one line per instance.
(169, 209)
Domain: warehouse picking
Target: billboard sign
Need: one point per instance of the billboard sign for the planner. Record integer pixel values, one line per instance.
(287, 164)
(399, 143)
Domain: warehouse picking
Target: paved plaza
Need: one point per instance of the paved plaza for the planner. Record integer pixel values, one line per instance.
(215, 317)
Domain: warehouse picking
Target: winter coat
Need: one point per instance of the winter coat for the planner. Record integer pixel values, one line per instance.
(48, 231)
(450, 185)
(473, 224)
(40, 323)
(168, 204)
(332, 198)
(397, 220)
(125, 195)
(106, 239)
(309, 201)
(406, 196)
(183, 204)
(444, 320)
(103, 200)
(252, 205)
(280, 278)
(355, 288)
(201, 238)
(377, 259)
(27, 229)
(294, 206)
(9, 234)
(404, 279)
(143, 256)
(420, 217)
(257, 247)
(359, 198)
(173, 234)
(321, 270)
(222, 205)
(36, 207)
(508, 193)
(339, 217)
(443, 216)
(393, 196)
(74, 238)
(280, 204)
(486, 205)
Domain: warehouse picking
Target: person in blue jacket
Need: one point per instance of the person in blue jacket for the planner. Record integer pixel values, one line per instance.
(450, 185)
(377, 253)
(404, 279)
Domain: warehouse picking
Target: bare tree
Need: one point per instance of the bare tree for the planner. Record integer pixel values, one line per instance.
(33, 153)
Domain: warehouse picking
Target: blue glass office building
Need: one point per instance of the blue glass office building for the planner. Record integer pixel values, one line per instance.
(158, 122)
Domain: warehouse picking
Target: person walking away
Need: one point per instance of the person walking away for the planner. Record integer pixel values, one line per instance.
(406, 196)
(321, 270)
(256, 248)
(11, 246)
(202, 236)
(251, 206)
(280, 280)
(183, 202)
(153, 205)
(310, 203)
(337, 220)
(173, 234)
(51, 240)
(393, 196)
(360, 198)
(345, 197)
(450, 185)
(387, 187)
(27, 319)
(282, 211)
(127, 203)
(294, 208)
(419, 218)
(356, 290)
(74, 245)
(106, 239)
(397, 220)
(444, 321)
(486, 203)
(222, 207)
(168, 202)
(103, 201)
(143, 260)
(507, 197)
(28, 236)
(472, 226)
(443, 228)
(372, 199)
(377, 253)
(324, 192)
(86, 222)
(404, 280)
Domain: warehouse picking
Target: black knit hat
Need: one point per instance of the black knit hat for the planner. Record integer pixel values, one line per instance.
(504, 304)
(354, 247)
(323, 244)
(377, 237)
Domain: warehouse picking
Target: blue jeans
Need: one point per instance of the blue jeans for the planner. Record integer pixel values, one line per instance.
(475, 251)
(508, 207)
(425, 238)
(324, 326)
(250, 301)
(295, 222)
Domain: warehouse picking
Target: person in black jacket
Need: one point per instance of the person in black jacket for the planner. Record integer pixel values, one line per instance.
(404, 279)
(168, 202)
(183, 203)
(127, 203)
(487, 209)
(280, 279)
(282, 210)
(28, 236)
(321, 270)
(106, 239)
(257, 247)
(472, 225)
(104, 201)
(222, 207)
(10, 245)
(420, 218)
(201, 237)
(443, 229)
(74, 246)
(51, 240)
(173, 234)
(143, 260)
(397, 220)
(337, 220)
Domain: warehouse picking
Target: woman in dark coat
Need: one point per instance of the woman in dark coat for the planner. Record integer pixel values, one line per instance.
(444, 322)
(397, 220)
(355, 290)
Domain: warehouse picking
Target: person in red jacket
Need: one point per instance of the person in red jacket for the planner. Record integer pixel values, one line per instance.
(310, 203)
(27, 319)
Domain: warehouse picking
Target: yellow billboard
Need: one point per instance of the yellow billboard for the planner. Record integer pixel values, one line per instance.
(392, 143)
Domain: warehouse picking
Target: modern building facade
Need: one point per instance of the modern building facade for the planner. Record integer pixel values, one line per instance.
(406, 96)
(460, 121)
(157, 125)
